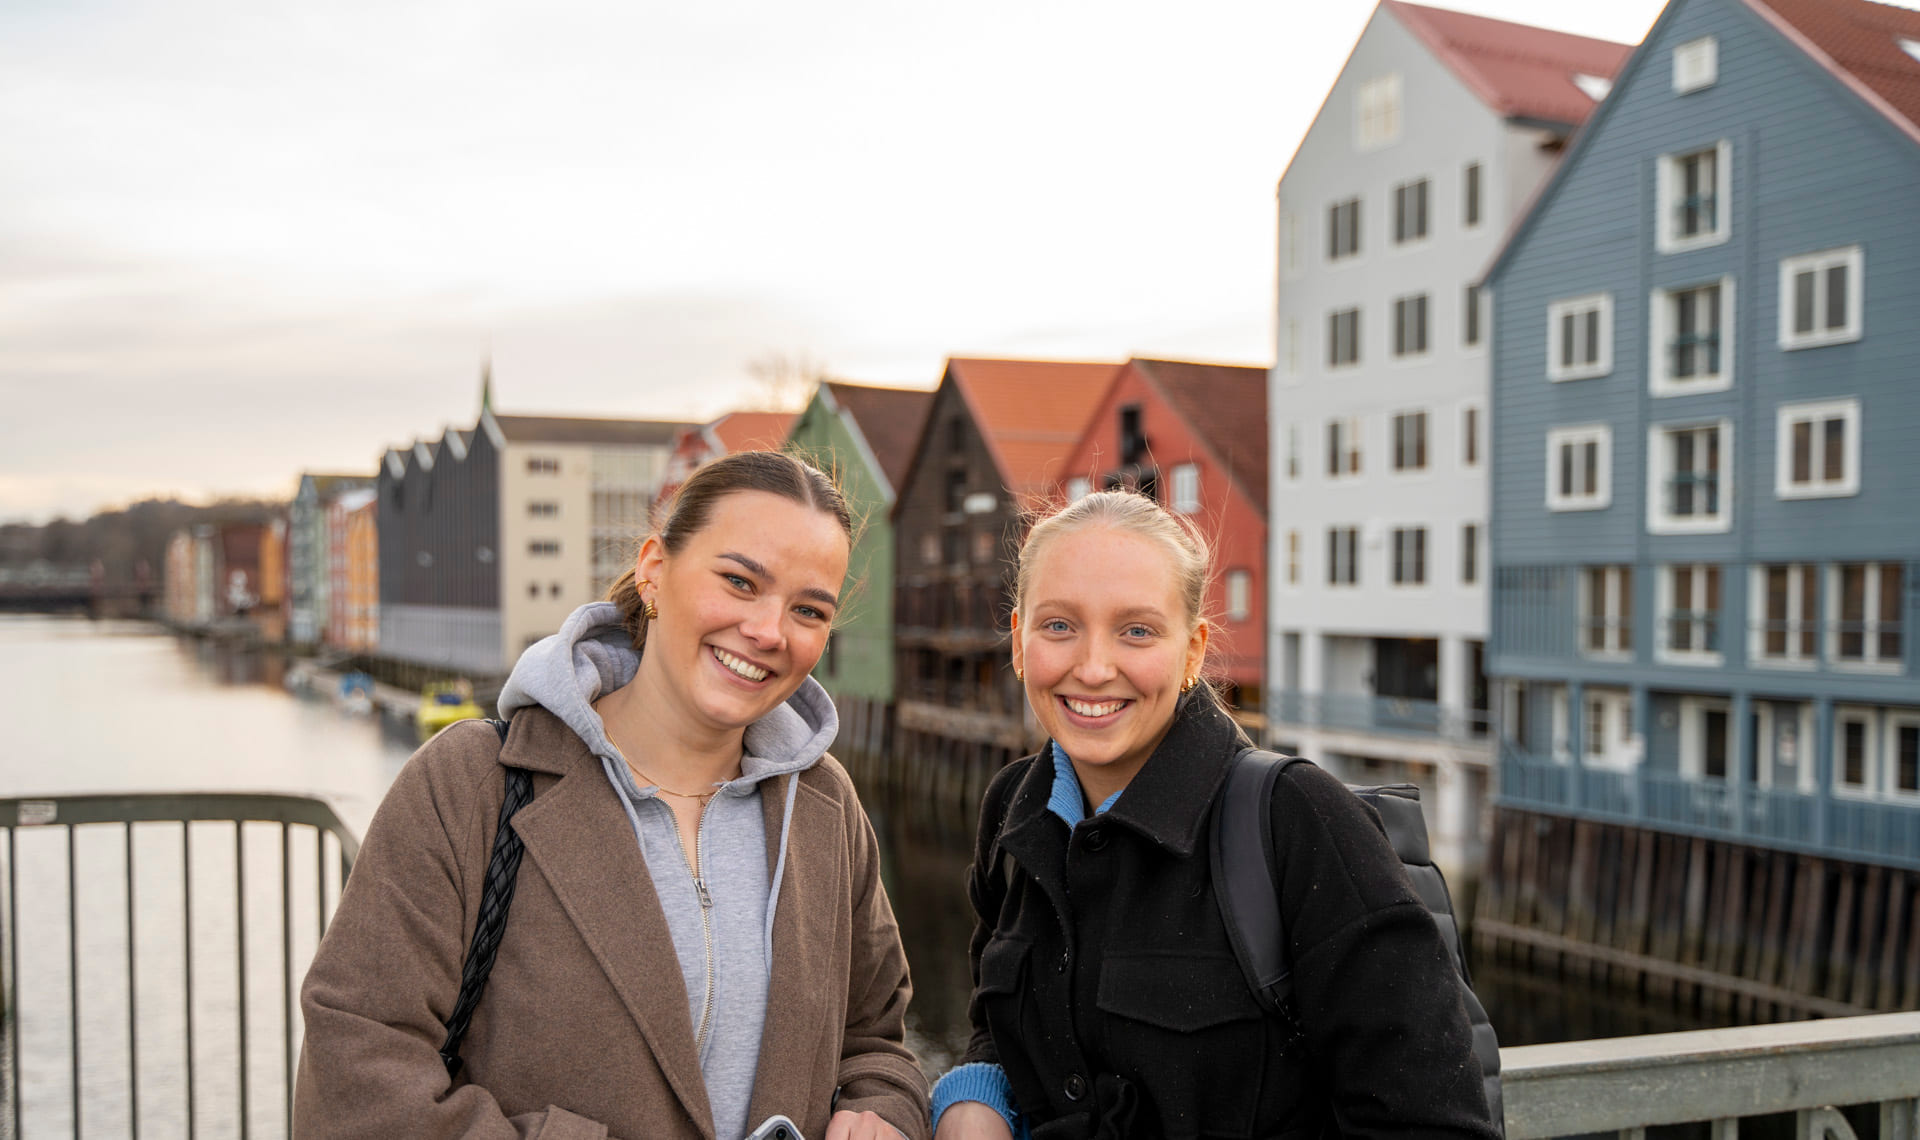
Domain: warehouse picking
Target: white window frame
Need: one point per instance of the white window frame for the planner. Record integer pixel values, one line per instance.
(1470, 559)
(1560, 438)
(1660, 320)
(1293, 558)
(1693, 738)
(1406, 212)
(1663, 648)
(1346, 460)
(1292, 373)
(1409, 557)
(1239, 595)
(1866, 717)
(1291, 471)
(1617, 634)
(1658, 520)
(1473, 195)
(1336, 253)
(1667, 183)
(1350, 538)
(1802, 617)
(1577, 307)
(1892, 721)
(1696, 65)
(1851, 258)
(1291, 263)
(1377, 112)
(1412, 446)
(1817, 413)
(1616, 747)
(1412, 314)
(1472, 450)
(1870, 660)
(1764, 754)
(1334, 364)
(1183, 489)
(1473, 319)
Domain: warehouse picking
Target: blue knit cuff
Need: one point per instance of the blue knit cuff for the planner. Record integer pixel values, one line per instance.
(981, 1081)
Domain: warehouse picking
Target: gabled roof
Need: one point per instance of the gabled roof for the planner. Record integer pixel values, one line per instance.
(750, 431)
(1030, 412)
(1226, 404)
(1858, 42)
(567, 429)
(1519, 71)
(888, 420)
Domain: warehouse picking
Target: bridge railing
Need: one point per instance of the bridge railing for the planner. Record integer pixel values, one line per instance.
(152, 954)
(1869, 1066)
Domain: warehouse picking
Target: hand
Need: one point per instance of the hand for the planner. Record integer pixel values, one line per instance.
(971, 1120)
(861, 1126)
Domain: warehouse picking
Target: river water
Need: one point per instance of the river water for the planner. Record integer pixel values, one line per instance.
(123, 707)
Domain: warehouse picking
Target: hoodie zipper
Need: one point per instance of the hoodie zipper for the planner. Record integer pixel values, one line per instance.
(706, 914)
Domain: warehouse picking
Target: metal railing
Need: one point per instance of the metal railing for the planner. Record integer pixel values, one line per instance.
(1717, 1077)
(1395, 716)
(1869, 830)
(153, 889)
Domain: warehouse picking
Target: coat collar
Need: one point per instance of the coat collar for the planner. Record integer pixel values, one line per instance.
(1168, 800)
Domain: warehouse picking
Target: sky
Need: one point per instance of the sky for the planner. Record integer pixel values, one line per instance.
(242, 239)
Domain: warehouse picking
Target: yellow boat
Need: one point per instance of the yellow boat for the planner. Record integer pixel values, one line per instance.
(442, 703)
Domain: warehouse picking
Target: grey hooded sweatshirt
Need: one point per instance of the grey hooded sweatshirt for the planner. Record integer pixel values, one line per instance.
(722, 924)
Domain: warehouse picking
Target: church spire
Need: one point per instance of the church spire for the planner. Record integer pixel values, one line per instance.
(486, 385)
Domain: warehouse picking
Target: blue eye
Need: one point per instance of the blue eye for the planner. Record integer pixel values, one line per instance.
(1139, 632)
(1054, 625)
(737, 581)
(810, 612)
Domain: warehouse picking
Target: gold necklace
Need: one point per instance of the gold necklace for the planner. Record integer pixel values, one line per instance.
(666, 791)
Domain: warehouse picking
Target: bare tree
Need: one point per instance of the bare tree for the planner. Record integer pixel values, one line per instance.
(785, 381)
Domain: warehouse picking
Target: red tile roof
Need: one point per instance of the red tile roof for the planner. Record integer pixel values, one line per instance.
(889, 418)
(752, 431)
(1031, 413)
(1227, 406)
(1859, 43)
(1517, 70)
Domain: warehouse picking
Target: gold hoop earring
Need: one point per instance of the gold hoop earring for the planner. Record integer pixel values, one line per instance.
(646, 607)
(1187, 685)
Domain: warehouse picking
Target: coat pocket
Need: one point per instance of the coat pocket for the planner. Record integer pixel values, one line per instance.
(1181, 992)
(1186, 1030)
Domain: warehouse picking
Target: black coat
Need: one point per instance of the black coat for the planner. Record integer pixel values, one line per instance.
(1105, 987)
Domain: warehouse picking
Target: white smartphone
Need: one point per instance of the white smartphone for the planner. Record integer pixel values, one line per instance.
(776, 1128)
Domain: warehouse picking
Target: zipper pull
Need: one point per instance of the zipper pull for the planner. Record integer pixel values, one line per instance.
(706, 900)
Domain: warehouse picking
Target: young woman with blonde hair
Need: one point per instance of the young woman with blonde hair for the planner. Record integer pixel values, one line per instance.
(1107, 1001)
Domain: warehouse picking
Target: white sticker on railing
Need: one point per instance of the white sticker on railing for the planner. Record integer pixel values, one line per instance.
(37, 813)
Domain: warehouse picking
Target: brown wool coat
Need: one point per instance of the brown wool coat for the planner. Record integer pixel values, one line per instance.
(584, 1031)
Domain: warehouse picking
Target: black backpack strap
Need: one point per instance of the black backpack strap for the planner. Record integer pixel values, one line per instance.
(496, 896)
(1244, 884)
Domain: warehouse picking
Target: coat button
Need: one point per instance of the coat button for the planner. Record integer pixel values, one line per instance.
(1076, 1087)
(1096, 838)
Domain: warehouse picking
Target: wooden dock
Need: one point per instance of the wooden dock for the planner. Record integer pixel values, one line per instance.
(1755, 933)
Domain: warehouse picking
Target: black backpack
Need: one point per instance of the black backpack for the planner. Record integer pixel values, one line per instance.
(1249, 896)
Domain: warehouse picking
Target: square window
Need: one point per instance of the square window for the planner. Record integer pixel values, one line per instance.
(1410, 211)
(1817, 452)
(1343, 229)
(1410, 556)
(1865, 608)
(1343, 556)
(1410, 325)
(1785, 600)
(1580, 468)
(1580, 337)
(1410, 441)
(1694, 192)
(1606, 611)
(1690, 478)
(1343, 447)
(1690, 614)
(1692, 347)
(1378, 112)
(1820, 298)
(1696, 64)
(1186, 489)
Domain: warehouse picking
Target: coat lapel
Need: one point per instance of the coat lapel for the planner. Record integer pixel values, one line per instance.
(810, 921)
(606, 890)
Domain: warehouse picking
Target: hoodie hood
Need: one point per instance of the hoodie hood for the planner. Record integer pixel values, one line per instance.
(592, 655)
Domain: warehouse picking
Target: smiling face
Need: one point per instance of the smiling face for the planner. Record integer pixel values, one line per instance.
(1105, 639)
(745, 608)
